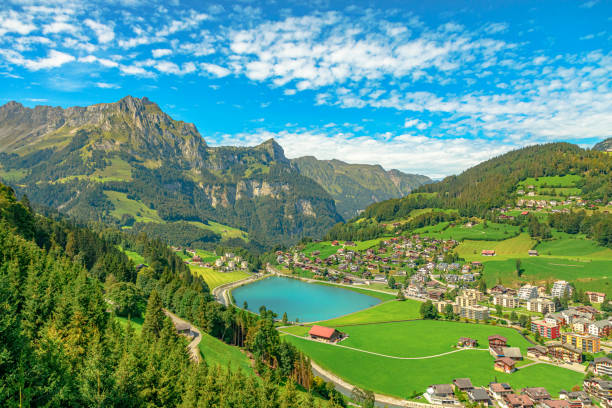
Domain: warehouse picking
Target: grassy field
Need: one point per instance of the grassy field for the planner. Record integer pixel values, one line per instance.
(135, 257)
(383, 312)
(492, 232)
(136, 322)
(215, 352)
(515, 247)
(365, 291)
(214, 278)
(575, 246)
(124, 205)
(225, 231)
(587, 275)
(325, 248)
(403, 377)
(207, 256)
(569, 180)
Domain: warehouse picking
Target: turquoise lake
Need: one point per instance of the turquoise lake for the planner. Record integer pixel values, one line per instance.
(308, 302)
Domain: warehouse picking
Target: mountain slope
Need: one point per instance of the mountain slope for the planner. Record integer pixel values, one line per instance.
(131, 164)
(355, 186)
(604, 146)
(493, 182)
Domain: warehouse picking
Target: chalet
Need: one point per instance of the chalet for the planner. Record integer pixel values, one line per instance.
(499, 390)
(498, 341)
(505, 365)
(518, 401)
(440, 394)
(183, 328)
(324, 333)
(488, 252)
(467, 342)
(536, 394)
(555, 404)
(196, 258)
(462, 384)
(564, 352)
(479, 396)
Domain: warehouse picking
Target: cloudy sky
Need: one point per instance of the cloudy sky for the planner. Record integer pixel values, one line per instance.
(430, 87)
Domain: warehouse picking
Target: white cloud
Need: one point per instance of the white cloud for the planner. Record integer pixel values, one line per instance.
(168, 67)
(105, 33)
(12, 22)
(60, 24)
(416, 123)
(106, 85)
(215, 70)
(161, 52)
(102, 61)
(135, 70)
(54, 59)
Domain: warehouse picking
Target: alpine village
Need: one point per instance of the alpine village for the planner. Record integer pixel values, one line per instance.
(146, 264)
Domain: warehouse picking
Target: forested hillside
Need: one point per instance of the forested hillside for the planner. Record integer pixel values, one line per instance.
(355, 186)
(131, 165)
(604, 146)
(492, 183)
(61, 288)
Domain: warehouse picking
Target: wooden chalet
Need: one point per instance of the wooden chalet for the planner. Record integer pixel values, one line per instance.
(505, 365)
(324, 333)
(497, 341)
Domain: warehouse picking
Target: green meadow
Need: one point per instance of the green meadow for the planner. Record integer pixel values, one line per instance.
(481, 231)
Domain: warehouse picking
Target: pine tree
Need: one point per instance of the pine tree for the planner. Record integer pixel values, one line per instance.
(154, 318)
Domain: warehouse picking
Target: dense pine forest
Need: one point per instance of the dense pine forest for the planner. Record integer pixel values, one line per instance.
(60, 345)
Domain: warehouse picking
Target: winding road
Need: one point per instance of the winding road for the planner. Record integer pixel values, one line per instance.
(194, 351)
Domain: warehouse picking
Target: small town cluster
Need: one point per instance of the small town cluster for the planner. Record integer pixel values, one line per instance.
(228, 262)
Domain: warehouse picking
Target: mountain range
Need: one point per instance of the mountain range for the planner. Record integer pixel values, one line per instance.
(604, 146)
(130, 164)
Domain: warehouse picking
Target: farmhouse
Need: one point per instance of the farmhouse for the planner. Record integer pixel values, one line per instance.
(505, 365)
(512, 352)
(497, 341)
(499, 390)
(324, 333)
(462, 384)
(518, 401)
(479, 396)
(488, 252)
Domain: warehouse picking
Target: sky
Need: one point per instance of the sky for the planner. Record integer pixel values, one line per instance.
(428, 87)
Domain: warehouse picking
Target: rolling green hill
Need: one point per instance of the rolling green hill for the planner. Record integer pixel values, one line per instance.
(129, 164)
(355, 186)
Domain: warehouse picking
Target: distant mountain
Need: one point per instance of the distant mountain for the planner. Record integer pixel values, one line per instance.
(355, 186)
(605, 146)
(131, 164)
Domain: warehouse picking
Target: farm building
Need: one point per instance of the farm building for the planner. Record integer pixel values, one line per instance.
(505, 365)
(532, 252)
(498, 341)
(462, 384)
(324, 333)
(467, 342)
(488, 252)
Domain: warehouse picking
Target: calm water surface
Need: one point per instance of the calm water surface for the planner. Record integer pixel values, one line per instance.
(308, 302)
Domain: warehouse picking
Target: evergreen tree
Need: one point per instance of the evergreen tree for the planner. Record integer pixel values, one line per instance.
(154, 317)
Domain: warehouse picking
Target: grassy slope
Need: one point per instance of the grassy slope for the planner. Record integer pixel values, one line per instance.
(137, 209)
(215, 352)
(402, 377)
(214, 278)
(492, 231)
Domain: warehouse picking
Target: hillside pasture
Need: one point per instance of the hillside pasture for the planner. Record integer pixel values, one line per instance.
(225, 231)
(325, 248)
(568, 180)
(123, 205)
(383, 312)
(515, 247)
(574, 246)
(490, 231)
(215, 278)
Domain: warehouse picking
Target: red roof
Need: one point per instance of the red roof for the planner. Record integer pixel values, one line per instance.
(321, 331)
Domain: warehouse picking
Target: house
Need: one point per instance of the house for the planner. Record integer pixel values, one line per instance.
(196, 258)
(555, 404)
(537, 352)
(479, 396)
(532, 252)
(564, 352)
(596, 297)
(576, 399)
(440, 394)
(602, 366)
(498, 290)
(462, 384)
(517, 401)
(546, 328)
(536, 394)
(586, 343)
(488, 252)
(324, 333)
(497, 341)
(467, 342)
(505, 365)
(601, 328)
(500, 390)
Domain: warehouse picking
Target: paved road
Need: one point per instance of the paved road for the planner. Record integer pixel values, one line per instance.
(194, 351)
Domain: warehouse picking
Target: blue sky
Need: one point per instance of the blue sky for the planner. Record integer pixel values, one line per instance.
(430, 87)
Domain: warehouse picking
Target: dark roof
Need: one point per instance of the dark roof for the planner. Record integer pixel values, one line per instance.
(463, 383)
(479, 394)
(506, 360)
(182, 326)
(442, 389)
(498, 337)
(512, 352)
(602, 360)
(537, 392)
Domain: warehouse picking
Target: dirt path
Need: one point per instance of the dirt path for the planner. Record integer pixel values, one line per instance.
(385, 355)
(194, 351)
